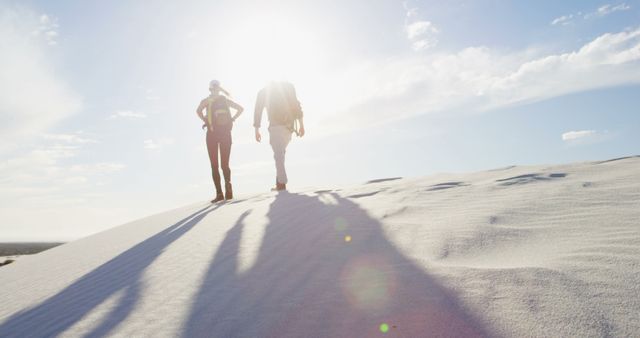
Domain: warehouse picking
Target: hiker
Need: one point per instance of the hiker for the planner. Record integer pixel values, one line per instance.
(218, 122)
(285, 118)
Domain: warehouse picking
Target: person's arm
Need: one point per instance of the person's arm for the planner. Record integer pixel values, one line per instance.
(301, 128)
(200, 112)
(257, 114)
(237, 107)
(298, 108)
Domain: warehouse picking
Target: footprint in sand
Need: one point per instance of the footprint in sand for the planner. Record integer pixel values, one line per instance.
(529, 178)
(446, 185)
(367, 194)
(380, 180)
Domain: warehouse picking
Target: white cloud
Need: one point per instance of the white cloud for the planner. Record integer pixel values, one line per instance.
(479, 78)
(421, 33)
(45, 192)
(420, 28)
(47, 29)
(127, 114)
(609, 60)
(412, 12)
(608, 9)
(45, 168)
(25, 67)
(563, 20)
(44, 174)
(158, 144)
(598, 13)
(575, 135)
(50, 174)
(423, 44)
(584, 137)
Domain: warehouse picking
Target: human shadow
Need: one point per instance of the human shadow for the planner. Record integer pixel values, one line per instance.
(123, 274)
(324, 269)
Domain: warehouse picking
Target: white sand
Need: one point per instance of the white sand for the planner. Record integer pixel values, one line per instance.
(516, 252)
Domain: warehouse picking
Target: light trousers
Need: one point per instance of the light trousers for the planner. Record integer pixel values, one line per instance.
(279, 137)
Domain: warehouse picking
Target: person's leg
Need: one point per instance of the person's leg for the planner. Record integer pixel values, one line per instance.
(225, 153)
(279, 137)
(212, 148)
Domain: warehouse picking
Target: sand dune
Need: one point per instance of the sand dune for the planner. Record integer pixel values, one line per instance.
(545, 251)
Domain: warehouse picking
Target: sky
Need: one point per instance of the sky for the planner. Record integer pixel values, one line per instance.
(98, 99)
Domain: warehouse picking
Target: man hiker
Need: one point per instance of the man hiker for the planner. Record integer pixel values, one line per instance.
(285, 117)
(219, 122)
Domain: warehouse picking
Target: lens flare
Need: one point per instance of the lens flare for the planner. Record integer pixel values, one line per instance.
(368, 283)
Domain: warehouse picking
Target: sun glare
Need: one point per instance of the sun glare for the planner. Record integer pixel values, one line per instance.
(245, 54)
(270, 47)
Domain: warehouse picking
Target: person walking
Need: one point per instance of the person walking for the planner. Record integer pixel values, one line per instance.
(218, 122)
(285, 117)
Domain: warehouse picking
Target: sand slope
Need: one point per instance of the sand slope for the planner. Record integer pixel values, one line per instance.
(547, 251)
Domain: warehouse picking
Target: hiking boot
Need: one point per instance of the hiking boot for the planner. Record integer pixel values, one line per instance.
(228, 191)
(218, 198)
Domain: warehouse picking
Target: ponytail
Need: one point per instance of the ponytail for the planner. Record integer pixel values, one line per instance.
(216, 84)
(225, 91)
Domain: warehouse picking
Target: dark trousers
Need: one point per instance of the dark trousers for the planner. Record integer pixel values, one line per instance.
(219, 143)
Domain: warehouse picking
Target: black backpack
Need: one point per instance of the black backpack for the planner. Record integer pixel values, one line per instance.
(218, 109)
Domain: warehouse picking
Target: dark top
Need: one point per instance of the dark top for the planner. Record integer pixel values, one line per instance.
(218, 114)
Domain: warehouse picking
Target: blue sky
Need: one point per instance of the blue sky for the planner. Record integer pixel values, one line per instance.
(97, 100)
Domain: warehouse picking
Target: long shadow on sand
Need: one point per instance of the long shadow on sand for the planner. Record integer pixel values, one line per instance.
(324, 269)
(123, 273)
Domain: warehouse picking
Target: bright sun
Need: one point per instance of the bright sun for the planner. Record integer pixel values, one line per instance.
(270, 47)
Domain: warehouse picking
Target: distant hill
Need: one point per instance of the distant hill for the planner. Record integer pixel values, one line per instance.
(25, 248)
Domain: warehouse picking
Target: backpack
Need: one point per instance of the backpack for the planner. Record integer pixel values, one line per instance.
(283, 104)
(218, 114)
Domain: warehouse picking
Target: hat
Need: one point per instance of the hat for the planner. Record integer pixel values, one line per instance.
(214, 83)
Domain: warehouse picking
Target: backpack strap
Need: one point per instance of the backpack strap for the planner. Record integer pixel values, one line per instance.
(210, 110)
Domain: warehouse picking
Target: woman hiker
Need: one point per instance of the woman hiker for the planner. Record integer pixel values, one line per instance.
(219, 123)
